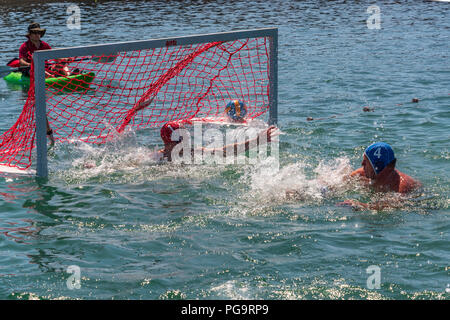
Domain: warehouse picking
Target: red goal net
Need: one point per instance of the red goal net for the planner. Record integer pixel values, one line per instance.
(104, 95)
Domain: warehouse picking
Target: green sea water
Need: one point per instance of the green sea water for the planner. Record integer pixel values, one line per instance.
(139, 230)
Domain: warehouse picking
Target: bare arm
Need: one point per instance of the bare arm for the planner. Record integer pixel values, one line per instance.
(264, 137)
(23, 63)
(50, 133)
(389, 202)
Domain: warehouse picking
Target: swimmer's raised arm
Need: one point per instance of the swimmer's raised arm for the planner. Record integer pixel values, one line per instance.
(263, 138)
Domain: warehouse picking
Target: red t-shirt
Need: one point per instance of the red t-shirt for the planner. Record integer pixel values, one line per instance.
(27, 48)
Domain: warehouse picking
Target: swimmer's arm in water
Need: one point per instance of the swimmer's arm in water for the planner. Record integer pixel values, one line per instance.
(375, 205)
(355, 205)
(50, 133)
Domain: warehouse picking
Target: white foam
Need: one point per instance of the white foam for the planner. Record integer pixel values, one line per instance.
(13, 170)
(233, 290)
(299, 181)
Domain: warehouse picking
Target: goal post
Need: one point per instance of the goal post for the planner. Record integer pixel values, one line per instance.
(161, 79)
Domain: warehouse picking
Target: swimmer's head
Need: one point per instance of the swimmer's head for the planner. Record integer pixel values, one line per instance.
(236, 110)
(380, 155)
(167, 130)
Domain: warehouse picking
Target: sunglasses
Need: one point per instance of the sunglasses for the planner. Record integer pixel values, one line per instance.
(35, 32)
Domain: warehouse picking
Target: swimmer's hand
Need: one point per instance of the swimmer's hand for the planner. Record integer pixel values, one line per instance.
(355, 205)
(51, 138)
(272, 132)
(292, 194)
(89, 165)
(377, 205)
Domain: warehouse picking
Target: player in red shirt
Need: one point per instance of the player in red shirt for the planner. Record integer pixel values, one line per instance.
(34, 43)
(26, 50)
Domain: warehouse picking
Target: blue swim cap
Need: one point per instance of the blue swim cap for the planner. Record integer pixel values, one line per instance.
(380, 154)
(236, 110)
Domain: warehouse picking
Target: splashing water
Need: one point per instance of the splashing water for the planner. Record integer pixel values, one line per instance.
(126, 156)
(121, 155)
(294, 182)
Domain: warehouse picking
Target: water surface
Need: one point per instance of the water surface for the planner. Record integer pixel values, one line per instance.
(138, 230)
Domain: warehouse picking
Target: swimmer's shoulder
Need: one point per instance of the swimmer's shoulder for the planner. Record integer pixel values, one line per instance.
(359, 175)
(407, 183)
(358, 172)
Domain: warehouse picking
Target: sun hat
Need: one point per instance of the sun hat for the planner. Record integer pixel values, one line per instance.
(35, 27)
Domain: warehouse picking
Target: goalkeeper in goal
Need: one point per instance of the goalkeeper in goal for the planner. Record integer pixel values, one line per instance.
(174, 148)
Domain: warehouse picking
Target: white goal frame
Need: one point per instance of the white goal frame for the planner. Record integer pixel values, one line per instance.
(40, 57)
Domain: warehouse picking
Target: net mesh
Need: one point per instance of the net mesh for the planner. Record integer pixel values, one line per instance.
(142, 89)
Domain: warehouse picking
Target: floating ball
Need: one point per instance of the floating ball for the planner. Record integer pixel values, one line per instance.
(236, 110)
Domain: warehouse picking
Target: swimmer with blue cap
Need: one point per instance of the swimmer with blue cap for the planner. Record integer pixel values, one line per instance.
(378, 166)
(380, 155)
(378, 170)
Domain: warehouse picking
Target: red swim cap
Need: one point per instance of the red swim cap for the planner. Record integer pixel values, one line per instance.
(167, 130)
